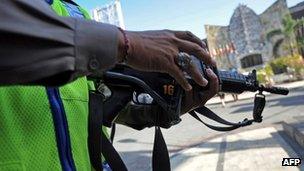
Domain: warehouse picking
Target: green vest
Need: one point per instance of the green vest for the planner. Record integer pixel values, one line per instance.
(27, 130)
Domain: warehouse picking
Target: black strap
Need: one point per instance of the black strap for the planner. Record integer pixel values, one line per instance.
(211, 115)
(111, 155)
(259, 104)
(120, 97)
(98, 143)
(95, 126)
(217, 128)
(113, 130)
(160, 158)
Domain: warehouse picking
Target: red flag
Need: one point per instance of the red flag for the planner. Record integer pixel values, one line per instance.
(213, 52)
(217, 52)
(221, 50)
(232, 47)
(227, 50)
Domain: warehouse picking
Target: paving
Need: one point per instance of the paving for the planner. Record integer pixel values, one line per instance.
(252, 150)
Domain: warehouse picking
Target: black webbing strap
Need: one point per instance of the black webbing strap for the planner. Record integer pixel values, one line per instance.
(95, 128)
(211, 115)
(259, 104)
(98, 143)
(113, 130)
(217, 128)
(160, 158)
(111, 155)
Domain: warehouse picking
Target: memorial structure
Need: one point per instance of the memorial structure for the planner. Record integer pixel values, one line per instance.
(250, 40)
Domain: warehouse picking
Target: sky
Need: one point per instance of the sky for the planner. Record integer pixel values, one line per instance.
(189, 15)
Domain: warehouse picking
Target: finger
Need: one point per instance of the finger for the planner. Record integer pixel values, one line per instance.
(179, 76)
(213, 62)
(204, 44)
(213, 82)
(187, 35)
(195, 50)
(196, 75)
(213, 87)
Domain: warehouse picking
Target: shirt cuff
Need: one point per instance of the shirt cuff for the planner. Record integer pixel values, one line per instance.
(96, 47)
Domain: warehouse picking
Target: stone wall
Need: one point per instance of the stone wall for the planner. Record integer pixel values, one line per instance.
(271, 20)
(245, 31)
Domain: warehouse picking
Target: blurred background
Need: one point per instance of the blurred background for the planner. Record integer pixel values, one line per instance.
(242, 35)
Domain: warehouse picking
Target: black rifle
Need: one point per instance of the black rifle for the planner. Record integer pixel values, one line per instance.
(126, 84)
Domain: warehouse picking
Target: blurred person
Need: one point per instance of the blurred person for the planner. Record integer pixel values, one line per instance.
(44, 125)
(222, 98)
(235, 97)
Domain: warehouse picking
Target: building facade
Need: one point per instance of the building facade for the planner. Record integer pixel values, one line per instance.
(111, 14)
(250, 40)
(297, 13)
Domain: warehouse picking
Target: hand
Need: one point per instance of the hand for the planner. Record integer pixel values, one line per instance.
(194, 99)
(157, 51)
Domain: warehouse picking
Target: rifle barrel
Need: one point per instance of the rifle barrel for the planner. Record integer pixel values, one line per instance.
(275, 90)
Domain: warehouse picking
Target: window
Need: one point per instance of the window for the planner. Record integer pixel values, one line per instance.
(251, 60)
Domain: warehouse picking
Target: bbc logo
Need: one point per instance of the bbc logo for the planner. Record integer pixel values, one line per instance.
(291, 161)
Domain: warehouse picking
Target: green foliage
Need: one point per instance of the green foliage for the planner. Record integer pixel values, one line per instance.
(289, 25)
(293, 62)
(263, 75)
(300, 39)
(280, 65)
(296, 62)
(268, 70)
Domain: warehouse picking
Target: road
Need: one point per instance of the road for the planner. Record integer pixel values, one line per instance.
(135, 147)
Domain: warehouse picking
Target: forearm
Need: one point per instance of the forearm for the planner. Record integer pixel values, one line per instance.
(39, 47)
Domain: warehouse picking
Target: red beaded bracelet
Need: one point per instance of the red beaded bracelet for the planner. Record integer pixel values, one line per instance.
(126, 45)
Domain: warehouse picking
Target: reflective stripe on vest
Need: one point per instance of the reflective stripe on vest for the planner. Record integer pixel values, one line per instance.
(56, 104)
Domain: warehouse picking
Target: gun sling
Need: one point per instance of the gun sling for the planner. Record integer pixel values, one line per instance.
(259, 104)
(98, 143)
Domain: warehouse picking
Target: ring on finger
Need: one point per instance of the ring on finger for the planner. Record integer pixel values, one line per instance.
(184, 61)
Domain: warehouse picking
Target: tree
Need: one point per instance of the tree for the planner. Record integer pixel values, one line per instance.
(289, 26)
(299, 34)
